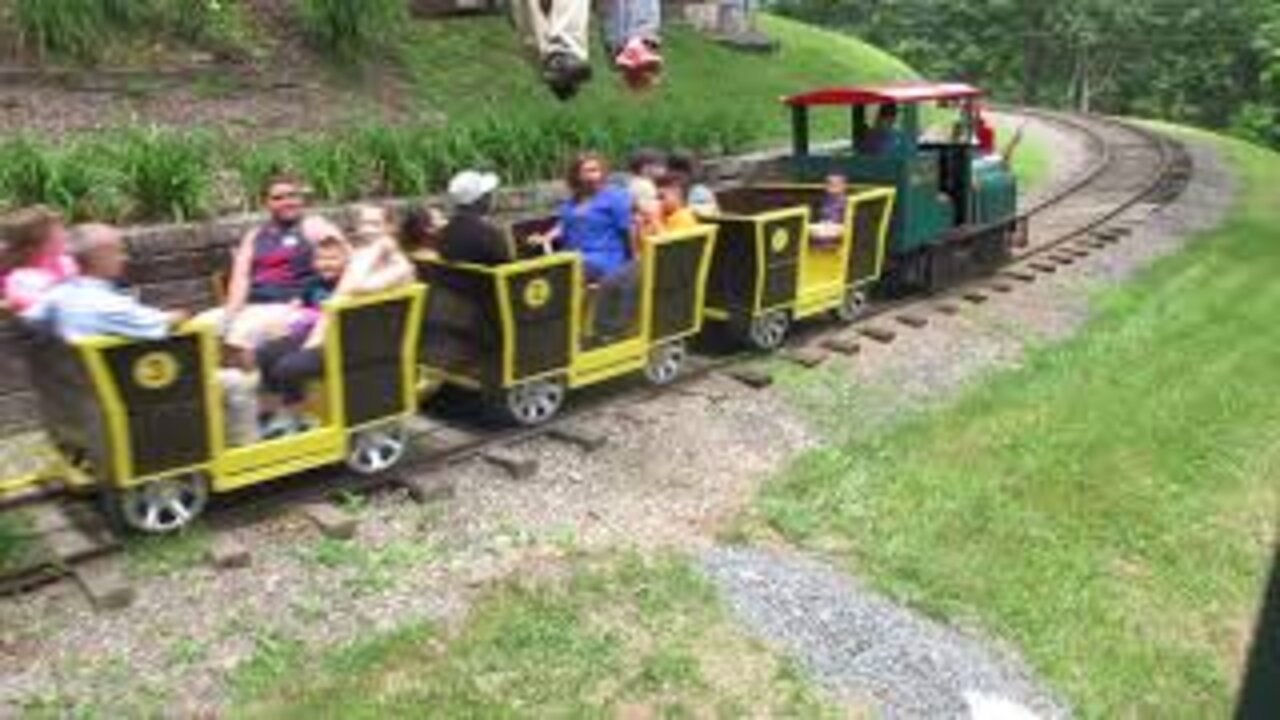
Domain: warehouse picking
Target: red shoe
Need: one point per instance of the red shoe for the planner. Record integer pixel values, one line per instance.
(638, 55)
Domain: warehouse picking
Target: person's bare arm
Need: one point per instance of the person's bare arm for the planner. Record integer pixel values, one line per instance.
(546, 240)
(241, 267)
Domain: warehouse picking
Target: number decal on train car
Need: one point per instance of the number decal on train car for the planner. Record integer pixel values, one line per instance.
(155, 370)
(780, 239)
(537, 292)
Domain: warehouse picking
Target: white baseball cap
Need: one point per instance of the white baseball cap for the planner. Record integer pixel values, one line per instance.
(469, 186)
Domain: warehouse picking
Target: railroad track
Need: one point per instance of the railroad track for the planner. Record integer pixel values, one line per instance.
(1133, 171)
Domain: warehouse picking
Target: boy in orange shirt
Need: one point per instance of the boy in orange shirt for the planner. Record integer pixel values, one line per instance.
(676, 215)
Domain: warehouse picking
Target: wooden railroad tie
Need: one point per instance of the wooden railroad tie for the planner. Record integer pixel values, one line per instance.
(519, 467)
(228, 553)
(877, 333)
(1079, 252)
(429, 488)
(806, 357)
(1020, 276)
(332, 521)
(579, 435)
(843, 344)
(751, 377)
(912, 320)
(975, 297)
(1043, 267)
(946, 307)
(104, 584)
(1062, 259)
(1001, 287)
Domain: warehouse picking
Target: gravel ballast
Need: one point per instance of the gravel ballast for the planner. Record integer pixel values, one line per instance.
(858, 643)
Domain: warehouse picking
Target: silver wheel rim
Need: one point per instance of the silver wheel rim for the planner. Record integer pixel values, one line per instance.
(376, 450)
(164, 506)
(855, 301)
(769, 330)
(535, 402)
(665, 362)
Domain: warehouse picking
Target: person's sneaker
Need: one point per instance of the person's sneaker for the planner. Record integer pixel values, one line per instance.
(564, 73)
(638, 55)
(279, 425)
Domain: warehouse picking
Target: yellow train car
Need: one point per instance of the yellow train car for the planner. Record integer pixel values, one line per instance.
(142, 422)
(768, 272)
(519, 332)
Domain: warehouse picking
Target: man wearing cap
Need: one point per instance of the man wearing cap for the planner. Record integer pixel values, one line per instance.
(470, 236)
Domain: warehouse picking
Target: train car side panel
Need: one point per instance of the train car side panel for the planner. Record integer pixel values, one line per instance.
(781, 237)
(679, 266)
(537, 300)
(160, 416)
(377, 342)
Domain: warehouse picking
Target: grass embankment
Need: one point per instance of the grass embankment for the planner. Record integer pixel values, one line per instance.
(714, 100)
(1110, 507)
(628, 637)
(1031, 163)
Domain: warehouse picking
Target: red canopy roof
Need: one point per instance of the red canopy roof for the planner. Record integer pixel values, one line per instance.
(912, 92)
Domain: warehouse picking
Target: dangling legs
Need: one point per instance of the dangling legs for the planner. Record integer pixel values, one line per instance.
(556, 30)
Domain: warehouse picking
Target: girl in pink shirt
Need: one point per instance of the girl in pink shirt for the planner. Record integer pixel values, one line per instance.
(34, 256)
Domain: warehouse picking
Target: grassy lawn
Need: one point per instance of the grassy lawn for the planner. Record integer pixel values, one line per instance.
(472, 66)
(1030, 162)
(16, 547)
(606, 638)
(1110, 507)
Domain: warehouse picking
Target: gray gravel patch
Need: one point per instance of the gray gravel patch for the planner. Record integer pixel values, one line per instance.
(858, 643)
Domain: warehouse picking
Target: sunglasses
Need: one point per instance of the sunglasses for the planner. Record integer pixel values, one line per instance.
(276, 197)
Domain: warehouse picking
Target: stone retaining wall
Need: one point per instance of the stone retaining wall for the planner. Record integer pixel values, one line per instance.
(175, 265)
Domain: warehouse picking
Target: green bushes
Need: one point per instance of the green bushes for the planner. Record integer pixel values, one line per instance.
(349, 29)
(150, 174)
(83, 30)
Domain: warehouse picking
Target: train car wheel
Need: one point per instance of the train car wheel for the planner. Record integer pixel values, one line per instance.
(164, 506)
(769, 330)
(665, 362)
(377, 449)
(534, 402)
(852, 306)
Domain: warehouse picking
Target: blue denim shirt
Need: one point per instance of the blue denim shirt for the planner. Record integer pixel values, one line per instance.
(86, 306)
(600, 229)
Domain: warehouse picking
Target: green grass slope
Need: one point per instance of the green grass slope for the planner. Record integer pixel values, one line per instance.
(1110, 507)
(476, 66)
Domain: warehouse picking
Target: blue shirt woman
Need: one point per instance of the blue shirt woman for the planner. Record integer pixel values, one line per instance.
(599, 227)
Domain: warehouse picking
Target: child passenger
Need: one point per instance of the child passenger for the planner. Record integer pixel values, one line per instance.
(676, 215)
(375, 264)
(829, 228)
(34, 256)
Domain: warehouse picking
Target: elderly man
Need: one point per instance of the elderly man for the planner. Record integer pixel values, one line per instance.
(91, 303)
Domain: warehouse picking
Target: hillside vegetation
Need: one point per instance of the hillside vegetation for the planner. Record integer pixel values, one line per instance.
(495, 113)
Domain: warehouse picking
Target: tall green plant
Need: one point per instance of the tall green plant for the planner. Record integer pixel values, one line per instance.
(74, 28)
(166, 174)
(349, 29)
(28, 172)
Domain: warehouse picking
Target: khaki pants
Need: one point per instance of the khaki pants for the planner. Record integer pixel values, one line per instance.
(563, 28)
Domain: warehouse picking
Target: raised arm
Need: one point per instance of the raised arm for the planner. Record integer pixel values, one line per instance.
(241, 268)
